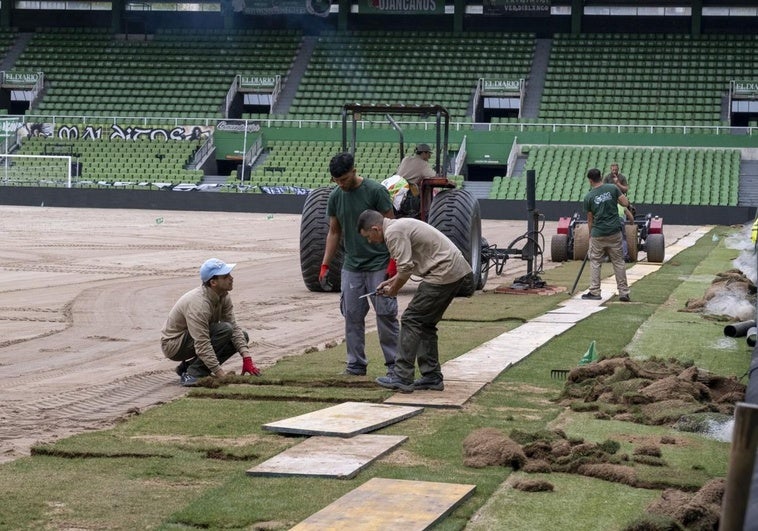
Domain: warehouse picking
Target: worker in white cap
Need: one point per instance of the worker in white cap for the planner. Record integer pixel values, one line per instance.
(201, 331)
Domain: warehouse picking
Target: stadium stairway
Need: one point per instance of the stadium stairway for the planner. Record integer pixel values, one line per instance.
(299, 65)
(748, 189)
(519, 166)
(479, 189)
(19, 45)
(537, 75)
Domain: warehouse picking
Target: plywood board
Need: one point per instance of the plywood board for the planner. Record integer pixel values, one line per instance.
(329, 457)
(456, 394)
(481, 368)
(381, 504)
(344, 420)
(577, 305)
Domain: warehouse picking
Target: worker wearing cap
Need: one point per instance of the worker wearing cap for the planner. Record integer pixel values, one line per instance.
(201, 331)
(415, 167)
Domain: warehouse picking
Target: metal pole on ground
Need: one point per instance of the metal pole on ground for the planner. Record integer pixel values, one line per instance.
(741, 464)
(531, 223)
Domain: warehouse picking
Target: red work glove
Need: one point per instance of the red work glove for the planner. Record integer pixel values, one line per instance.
(323, 272)
(392, 268)
(248, 367)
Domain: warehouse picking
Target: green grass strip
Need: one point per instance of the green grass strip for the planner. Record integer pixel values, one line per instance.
(187, 459)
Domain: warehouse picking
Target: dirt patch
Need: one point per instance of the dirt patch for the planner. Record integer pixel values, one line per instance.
(402, 457)
(223, 455)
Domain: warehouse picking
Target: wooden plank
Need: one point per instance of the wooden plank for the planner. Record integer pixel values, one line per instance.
(456, 394)
(381, 504)
(329, 457)
(344, 420)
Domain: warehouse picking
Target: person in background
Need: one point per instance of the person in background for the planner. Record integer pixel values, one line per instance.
(415, 167)
(201, 331)
(605, 228)
(617, 178)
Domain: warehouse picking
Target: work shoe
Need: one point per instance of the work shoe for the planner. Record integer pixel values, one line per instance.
(591, 297)
(625, 298)
(429, 382)
(181, 368)
(347, 372)
(392, 382)
(187, 380)
(184, 365)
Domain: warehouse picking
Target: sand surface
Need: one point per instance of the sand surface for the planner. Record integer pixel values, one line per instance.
(84, 294)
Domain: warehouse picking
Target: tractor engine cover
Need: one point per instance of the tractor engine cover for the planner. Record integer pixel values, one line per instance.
(563, 225)
(656, 226)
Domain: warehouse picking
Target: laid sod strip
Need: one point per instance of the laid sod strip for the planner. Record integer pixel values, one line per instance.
(211, 443)
(364, 391)
(577, 502)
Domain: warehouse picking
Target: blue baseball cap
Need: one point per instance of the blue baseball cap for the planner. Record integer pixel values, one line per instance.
(214, 267)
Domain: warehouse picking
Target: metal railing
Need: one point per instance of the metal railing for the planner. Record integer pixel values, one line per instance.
(521, 127)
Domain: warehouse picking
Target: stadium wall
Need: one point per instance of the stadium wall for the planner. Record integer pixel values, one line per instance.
(543, 26)
(293, 204)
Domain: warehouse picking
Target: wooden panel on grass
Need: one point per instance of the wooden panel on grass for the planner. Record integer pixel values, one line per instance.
(344, 420)
(329, 457)
(381, 504)
(456, 394)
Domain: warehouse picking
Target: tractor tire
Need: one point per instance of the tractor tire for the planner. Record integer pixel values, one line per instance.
(314, 226)
(581, 241)
(630, 231)
(656, 248)
(559, 248)
(485, 264)
(455, 213)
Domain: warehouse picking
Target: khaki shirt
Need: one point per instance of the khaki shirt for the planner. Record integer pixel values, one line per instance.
(413, 168)
(420, 249)
(194, 312)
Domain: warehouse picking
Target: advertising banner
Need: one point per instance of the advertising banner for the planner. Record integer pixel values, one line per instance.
(745, 88)
(500, 87)
(318, 8)
(257, 82)
(401, 7)
(519, 8)
(20, 79)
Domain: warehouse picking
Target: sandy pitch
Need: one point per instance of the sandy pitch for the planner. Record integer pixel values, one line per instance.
(84, 294)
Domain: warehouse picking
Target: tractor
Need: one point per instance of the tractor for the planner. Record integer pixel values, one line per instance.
(453, 211)
(572, 240)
